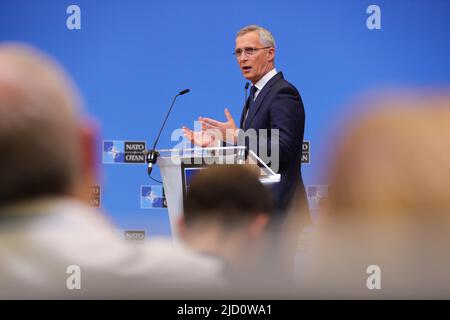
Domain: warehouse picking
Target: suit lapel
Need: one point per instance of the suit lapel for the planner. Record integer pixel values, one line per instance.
(241, 123)
(259, 99)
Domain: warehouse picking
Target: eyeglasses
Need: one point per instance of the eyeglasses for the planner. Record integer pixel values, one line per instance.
(249, 51)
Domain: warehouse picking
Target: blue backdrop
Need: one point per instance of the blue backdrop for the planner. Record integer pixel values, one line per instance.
(131, 57)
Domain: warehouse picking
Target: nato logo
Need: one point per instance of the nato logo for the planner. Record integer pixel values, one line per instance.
(316, 196)
(134, 235)
(123, 151)
(153, 197)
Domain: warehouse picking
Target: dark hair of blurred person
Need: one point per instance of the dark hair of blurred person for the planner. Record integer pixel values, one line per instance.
(40, 137)
(229, 193)
(226, 213)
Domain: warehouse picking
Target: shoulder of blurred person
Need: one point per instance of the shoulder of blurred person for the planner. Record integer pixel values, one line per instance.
(40, 239)
(388, 205)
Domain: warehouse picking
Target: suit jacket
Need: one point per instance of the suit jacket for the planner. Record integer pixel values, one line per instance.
(279, 106)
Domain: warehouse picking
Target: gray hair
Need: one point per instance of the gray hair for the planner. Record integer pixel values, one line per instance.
(265, 37)
(41, 152)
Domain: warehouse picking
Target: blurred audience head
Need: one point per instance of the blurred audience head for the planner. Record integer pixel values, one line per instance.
(388, 203)
(226, 212)
(392, 163)
(45, 148)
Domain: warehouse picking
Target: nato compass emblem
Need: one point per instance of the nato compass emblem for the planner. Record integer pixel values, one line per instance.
(115, 151)
(152, 196)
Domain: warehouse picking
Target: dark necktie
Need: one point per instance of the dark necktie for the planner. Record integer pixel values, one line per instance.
(250, 101)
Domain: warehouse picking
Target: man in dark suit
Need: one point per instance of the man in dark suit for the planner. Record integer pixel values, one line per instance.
(274, 105)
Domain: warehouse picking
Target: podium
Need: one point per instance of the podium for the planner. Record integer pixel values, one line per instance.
(178, 166)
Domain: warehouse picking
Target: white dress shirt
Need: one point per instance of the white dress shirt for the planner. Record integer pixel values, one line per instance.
(263, 81)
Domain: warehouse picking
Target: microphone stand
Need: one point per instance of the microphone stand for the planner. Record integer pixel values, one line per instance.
(152, 155)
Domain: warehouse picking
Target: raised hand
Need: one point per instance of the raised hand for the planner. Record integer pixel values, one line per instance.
(227, 130)
(199, 138)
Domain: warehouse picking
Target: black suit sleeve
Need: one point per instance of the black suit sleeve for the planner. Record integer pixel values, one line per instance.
(288, 116)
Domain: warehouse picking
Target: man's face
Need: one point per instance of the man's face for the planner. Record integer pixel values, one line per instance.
(255, 66)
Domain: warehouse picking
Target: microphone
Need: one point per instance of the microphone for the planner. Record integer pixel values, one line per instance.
(152, 155)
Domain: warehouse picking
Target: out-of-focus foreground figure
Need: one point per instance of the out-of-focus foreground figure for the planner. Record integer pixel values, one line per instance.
(386, 229)
(52, 245)
(226, 214)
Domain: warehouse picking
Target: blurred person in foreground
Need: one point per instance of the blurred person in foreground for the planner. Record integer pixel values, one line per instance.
(226, 213)
(386, 228)
(46, 227)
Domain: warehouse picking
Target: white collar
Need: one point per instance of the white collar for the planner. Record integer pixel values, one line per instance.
(263, 81)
